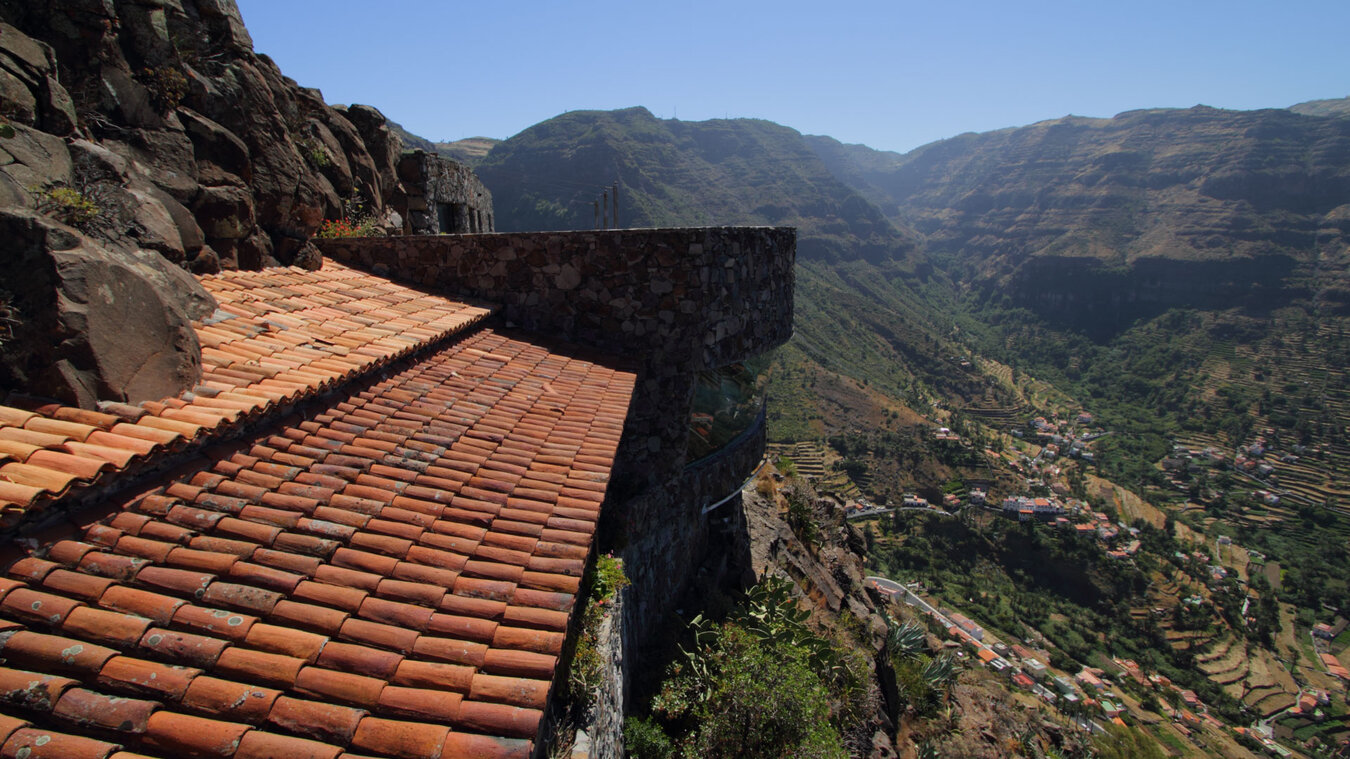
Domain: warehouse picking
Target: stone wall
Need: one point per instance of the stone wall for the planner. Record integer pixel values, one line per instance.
(704, 296)
(441, 197)
(676, 302)
(601, 734)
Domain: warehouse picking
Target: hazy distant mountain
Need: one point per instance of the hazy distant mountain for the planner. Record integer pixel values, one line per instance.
(1337, 108)
(470, 150)
(868, 304)
(1108, 220)
(1069, 228)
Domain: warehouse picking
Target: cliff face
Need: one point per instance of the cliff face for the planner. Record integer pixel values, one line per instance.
(1196, 207)
(147, 133)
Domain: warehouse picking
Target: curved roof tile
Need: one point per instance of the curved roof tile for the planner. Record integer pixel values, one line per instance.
(388, 570)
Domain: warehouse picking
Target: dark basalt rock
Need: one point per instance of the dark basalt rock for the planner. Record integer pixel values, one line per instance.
(94, 322)
(195, 152)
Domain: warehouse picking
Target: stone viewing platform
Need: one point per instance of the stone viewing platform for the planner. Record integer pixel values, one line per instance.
(680, 303)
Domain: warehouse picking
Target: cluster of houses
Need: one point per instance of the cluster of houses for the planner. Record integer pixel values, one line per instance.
(1198, 563)
(1058, 514)
(1255, 459)
(1190, 712)
(1059, 438)
(1024, 667)
(1091, 691)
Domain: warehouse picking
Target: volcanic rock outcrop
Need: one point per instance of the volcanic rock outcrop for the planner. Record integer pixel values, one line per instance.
(141, 136)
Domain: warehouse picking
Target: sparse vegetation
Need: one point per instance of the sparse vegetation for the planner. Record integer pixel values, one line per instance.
(314, 151)
(760, 684)
(356, 221)
(605, 580)
(167, 86)
(9, 317)
(68, 206)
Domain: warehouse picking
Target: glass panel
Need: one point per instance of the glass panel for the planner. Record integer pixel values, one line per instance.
(726, 403)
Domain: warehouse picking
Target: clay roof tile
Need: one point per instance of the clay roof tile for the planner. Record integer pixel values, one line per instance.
(329, 723)
(230, 700)
(141, 677)
(188, 736)
(42, 743)
(32, 690)
(90, 709)
(441, 496)
(402, 739)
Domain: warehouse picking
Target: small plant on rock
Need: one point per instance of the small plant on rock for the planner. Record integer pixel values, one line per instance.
(355, 221)
(167, 86)
(314, 152)
(605, 580)
(331, 228)
(68, 206)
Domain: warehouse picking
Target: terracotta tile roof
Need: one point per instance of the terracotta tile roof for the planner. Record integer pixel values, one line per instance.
(278, 337)
(387, 571)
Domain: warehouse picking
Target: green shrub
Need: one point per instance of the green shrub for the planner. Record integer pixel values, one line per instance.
(801, 517)
(644, 739)
(752, 699)
(763, 684)
(609, 577)
(68, 206)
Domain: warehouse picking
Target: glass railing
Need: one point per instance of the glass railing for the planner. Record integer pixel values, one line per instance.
(727, 402)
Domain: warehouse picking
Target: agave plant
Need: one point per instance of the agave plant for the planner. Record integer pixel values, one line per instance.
(905, 641)
(939, 672)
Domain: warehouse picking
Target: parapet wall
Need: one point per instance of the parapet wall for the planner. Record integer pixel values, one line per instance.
(704, 296)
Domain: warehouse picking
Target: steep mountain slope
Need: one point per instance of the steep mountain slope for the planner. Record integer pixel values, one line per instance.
(1169, 267)
(1100, 222)
(738, 171)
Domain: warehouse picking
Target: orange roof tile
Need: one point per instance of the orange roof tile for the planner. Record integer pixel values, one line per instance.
(388, 572)
(279, 336)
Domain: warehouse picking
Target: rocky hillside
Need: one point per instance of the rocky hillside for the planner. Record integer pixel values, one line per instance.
(719, 172)
(140, 137)
(1099, 222)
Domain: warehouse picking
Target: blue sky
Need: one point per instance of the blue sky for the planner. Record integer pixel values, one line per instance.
(892, 75)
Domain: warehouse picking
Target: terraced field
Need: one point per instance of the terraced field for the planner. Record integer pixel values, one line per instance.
(1226, 664)
(1299, 386)
(810, 459)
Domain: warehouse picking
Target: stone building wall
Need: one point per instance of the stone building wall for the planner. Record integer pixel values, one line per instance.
(441, 197)
(601, 734)
(676, 302)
